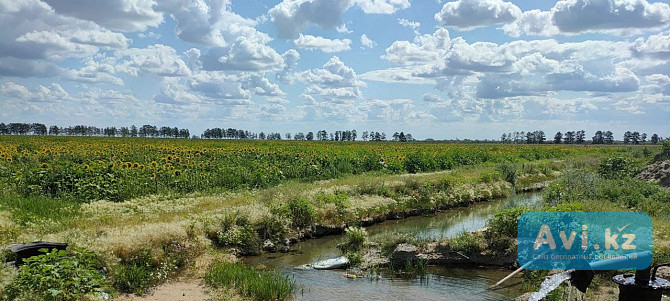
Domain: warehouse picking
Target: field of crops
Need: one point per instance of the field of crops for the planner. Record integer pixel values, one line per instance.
(116, 169)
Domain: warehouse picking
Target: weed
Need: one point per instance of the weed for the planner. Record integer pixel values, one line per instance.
(257, 284)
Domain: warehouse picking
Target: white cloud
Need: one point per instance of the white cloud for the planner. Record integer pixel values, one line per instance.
(367, 42)
(156, 59)
(311, 42)
(655, 46)
(533, 22)
(243, 55)
(425, 48)
(410, 24)
(292, 17)
(469, 14)
(570, 17)
(124, 15)
(335, 81)
(35, 38)
(382, 6)
(95, 72)
(429, 97)
(573, 16)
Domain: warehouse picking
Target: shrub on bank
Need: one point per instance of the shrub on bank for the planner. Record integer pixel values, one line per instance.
(74, 274)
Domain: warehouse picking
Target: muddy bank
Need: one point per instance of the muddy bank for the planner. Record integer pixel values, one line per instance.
(657, 172)
(441, 255)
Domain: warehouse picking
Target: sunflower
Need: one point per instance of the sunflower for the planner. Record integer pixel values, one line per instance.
(86, 166)
(136, 165)
(177, 172)
(153, 175)
(44, 165)
(154, 164)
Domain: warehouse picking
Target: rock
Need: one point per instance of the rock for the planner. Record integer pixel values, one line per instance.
(269, 246)
(324, 230)
(404, 252)
(284, 249)
(663, 272)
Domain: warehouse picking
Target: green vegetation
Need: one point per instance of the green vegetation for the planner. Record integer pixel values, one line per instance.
(149, 207)
(357, 238)
(258, 284)
(58, 275)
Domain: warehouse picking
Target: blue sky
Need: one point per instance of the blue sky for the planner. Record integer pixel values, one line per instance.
(438, 69)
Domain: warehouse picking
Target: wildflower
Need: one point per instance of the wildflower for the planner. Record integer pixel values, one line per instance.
(44, 165)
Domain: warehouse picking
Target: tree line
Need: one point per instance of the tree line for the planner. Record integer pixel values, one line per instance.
(40, 129)
(321, 135)
(577, 137)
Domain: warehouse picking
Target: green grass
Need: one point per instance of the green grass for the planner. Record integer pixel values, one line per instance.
(257, 284)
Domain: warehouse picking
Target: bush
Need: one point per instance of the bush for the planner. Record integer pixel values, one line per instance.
(616, 168)
(273, 228)
(509, 172)
(301, 212)
(57, 275)
(257, 284)
(236, 231)
(356, 239)
(466, 242)
(504, 223)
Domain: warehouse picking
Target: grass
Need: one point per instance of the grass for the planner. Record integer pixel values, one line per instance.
(257, 284)
(123, 232)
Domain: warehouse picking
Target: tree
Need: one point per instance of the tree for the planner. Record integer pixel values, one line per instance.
(608, 137)
(365, 136)
(635, 138)
(569, 137)
(643, 138)
(580, 137)
(627, 137)
(558, 137)
(353, 135)
(54, 130)
(310, 136)
(4, 130)
(598, 138)
(133, 131)
(38, 129)
(654, 139)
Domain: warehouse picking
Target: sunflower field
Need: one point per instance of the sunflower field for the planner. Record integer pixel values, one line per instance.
(85, 169)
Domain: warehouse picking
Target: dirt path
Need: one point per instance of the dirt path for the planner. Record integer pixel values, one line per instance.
(177, 290)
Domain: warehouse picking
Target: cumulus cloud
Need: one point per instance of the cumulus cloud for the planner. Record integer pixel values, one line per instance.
(95, 72)
(570, 17)
(35, 37)
(655, 46)
(292, 17)
(334, 82)
(425, 48)
(581, 15)
(53, 93)
(469, 14)
(155, 59)
(243, 55)
(123, 15)
(367, 42)
(382, 6)
(410, 24)
(311, 42)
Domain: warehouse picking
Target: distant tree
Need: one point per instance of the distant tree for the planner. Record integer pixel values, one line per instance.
(558, 137)
(409, 137)
(608, 137)
(365, 136)
(54, 130)
(580, 137)
(643, 138)
(4, 130)
(627, 136)
(402, 137)
(654, 139)
(310, 136)
(503, 138)
(353, 135)
(598, 138)
(569, 137)
(635, 138)
(133, 131)
(38, 129)
(288, 136)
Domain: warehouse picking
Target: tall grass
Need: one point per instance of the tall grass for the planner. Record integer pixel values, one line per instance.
(258, 284)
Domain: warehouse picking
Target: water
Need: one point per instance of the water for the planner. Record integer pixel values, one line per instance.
(439, 283)
(550, 284)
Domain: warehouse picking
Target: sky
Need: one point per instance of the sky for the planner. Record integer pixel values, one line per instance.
(436, 69)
